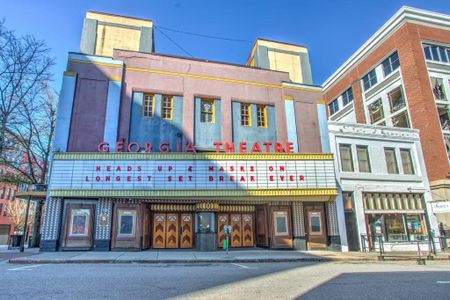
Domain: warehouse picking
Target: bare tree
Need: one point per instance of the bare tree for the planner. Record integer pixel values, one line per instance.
(16, 213)
(27, 107)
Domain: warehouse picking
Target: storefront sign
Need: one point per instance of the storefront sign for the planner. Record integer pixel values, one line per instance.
(184, 174)
(441, 206)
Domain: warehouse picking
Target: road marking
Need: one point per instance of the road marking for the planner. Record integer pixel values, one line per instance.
(25, 268)
(240, 266)
(444, 282)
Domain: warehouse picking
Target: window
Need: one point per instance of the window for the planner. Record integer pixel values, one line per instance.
(346, 158)
(396, 100)
(370, 80)
(148, 106)
(395, 228)
(79, 222)
(315, 223)
(206, 222)
(438, 88)
(2, 195)
(407, 161)
(401, 120)
(281, 223)
(390, 64)
(167, 107)
(376, 112)
(1, 207)
(391, 160)
(436, 53)
(347, 96)
(363, 159)
(127, 219)
(5, 210)
(261, 115)
(246, 117)
(13, 195)
(8, 194)
(333, 106)
(207, 111)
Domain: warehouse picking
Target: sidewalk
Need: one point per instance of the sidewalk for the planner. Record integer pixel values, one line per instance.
(235, 256)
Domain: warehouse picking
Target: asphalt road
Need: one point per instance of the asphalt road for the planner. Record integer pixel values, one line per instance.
(226, 281)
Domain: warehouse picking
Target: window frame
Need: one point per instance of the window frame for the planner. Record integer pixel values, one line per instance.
(389, 96)
(78, 212)
(248, 115)
(395, 160)
(345, 96)
(372, 121)
(370, 79)
(165, 109)
(349, 147)
(264, 115)
(408, 151)
(366, 148)
(212, 112)
(126, 212)
(284, 215)
(145, 105)
(333, 106)
(389, 62)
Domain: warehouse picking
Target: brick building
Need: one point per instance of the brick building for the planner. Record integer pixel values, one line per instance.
(400, 77)
(159, 151)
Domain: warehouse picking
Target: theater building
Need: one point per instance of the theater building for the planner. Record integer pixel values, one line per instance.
(400, 78)
(158, 151)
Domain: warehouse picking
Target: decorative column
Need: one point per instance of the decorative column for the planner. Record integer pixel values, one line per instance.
(333, 226)
(298, 226)
(103, 223)
(51, 226)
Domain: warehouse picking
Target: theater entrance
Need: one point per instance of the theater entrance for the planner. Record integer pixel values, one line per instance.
(172, 230)
(242, 229)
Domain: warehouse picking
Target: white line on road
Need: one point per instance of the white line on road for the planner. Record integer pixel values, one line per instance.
(241, 266)
(25, 268)
(444, 282)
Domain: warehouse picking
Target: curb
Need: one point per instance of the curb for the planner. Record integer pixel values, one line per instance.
(202, 261)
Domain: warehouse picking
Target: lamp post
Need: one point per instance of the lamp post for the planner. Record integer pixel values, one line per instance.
(22, 242)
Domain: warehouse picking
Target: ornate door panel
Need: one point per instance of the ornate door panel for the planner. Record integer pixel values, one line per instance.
(247, 232)
(159, 230)
(172, 230)
(236, 230)
(222, 220)
(186, 231)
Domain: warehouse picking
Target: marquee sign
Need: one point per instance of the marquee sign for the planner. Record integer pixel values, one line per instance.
(191, 172)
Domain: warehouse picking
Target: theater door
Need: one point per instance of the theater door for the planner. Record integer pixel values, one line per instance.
(315, 225)
(172, 230)
(78, 227)
(242, 229)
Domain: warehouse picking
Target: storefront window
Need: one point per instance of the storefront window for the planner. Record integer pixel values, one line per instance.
(281, 223)
(127, 219)
(395, 229)
(416, 227)
(205, 222)
(79, 223)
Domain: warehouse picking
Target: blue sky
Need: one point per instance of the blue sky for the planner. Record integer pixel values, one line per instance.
(332, 30)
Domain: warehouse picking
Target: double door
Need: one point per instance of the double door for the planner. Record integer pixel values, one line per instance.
(242, 229)
(172, 230)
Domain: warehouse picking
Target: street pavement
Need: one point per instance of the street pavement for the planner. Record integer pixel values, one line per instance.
(288, 280)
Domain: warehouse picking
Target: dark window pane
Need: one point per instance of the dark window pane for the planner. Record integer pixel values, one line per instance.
(427, 52)
(281, 224)
(434, 53)
(443, 54)
(315, 224)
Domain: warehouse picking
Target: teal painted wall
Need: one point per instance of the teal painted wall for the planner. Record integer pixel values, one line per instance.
(291, 124)
(205, 134)
(156, 130)
(253, 134)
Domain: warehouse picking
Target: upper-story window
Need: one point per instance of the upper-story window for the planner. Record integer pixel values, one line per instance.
(396, 99)
(407, 164)
(261, 115)
(401, 120)
(207, 111)
(436, 53)
(345, 152)
(376, 112)
(391, 64)
(363, 158)
(333, 107)
(370, 80)
(2, 194)
(148, 105)
(167, 107)
(347, 96)
(391, 160)
(246, 117)
(438, 88)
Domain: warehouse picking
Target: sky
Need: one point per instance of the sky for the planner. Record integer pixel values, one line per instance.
(331, 30)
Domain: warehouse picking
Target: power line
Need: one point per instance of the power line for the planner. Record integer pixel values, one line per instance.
(175, 43)
(205, 35)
